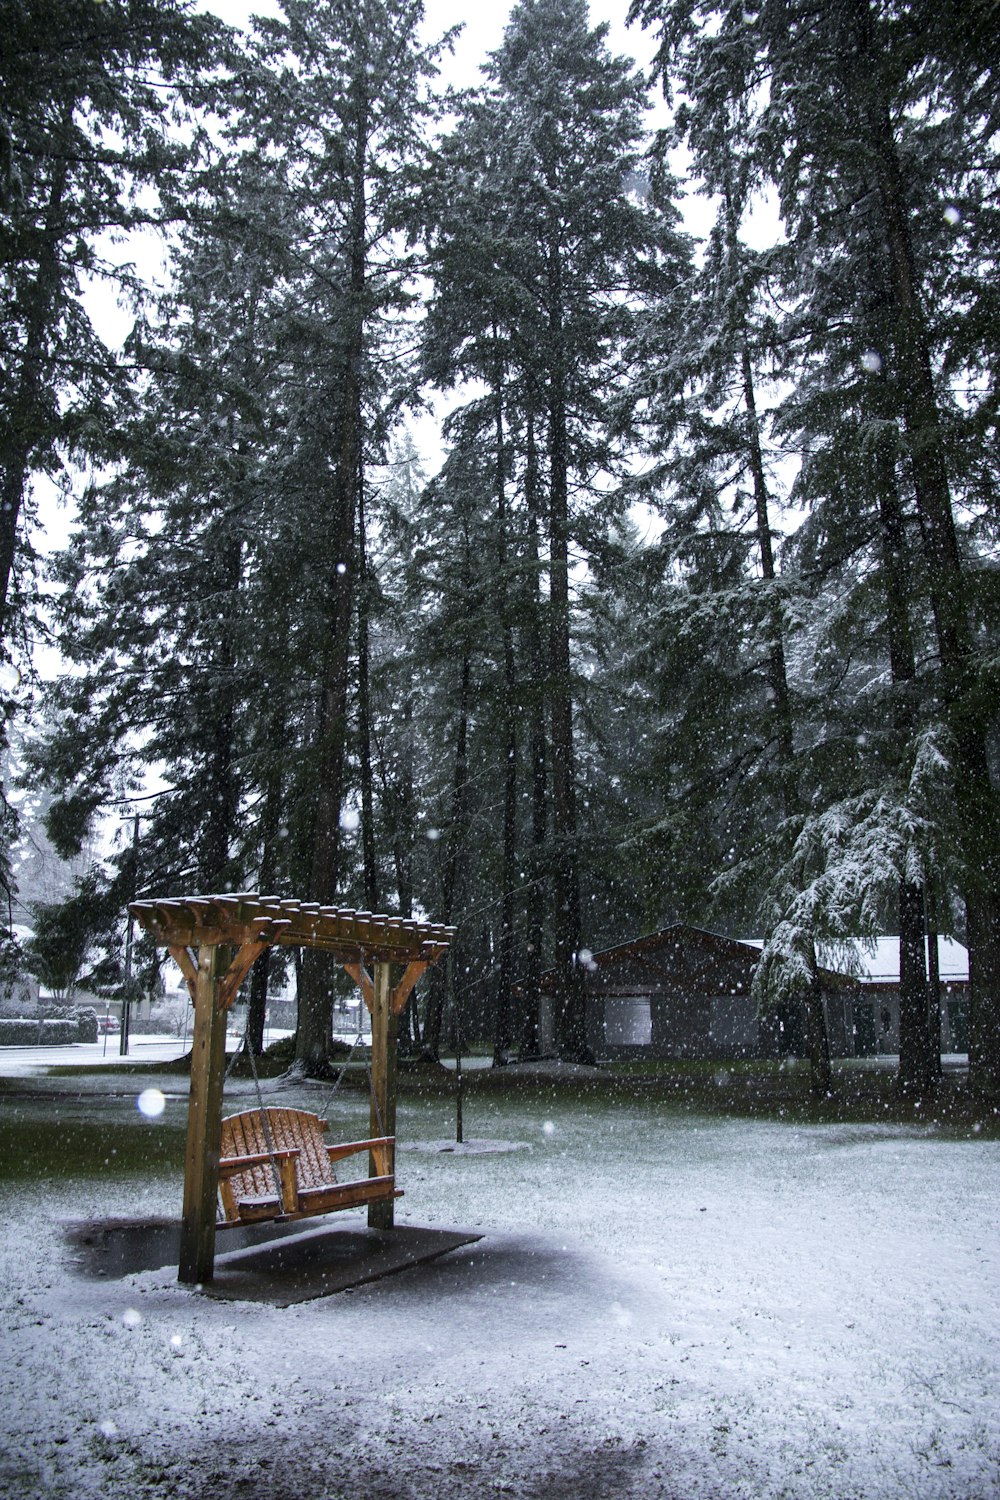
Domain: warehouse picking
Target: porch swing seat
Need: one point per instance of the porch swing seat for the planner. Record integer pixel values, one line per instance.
(261, 1145)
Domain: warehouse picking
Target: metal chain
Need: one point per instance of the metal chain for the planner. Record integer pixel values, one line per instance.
(261, 1106)
(265, 1122)
(344, 1067)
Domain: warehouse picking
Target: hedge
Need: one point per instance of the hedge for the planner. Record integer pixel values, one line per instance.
(23, 1031)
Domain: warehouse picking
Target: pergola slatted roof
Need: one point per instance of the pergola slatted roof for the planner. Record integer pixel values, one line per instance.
(234, 919)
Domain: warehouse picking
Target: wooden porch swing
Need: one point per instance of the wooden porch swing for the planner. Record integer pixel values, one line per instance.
(273, 1163)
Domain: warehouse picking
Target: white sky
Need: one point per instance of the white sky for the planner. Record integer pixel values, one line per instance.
(483, 28)
(482, 32)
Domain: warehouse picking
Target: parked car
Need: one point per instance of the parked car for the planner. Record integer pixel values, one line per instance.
(108, 1023)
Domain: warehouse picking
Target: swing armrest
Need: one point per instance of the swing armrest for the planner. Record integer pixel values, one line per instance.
(230, 1165)
(381, 1147)
(284, 1160)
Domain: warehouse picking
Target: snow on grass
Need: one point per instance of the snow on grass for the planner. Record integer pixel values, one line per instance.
(662, 1305)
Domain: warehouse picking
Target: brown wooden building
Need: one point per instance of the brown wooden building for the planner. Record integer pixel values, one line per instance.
(680, 992)
(686, 993)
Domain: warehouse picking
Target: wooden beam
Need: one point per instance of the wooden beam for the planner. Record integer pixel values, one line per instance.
(363, 980)
(381, 1215)
(404, 988)
(201, 1161)
(187, 934)
(182, 958)
(238, 970)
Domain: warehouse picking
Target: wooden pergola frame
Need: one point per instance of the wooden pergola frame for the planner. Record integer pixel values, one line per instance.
(215, 941)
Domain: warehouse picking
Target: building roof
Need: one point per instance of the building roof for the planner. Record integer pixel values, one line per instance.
(709, 945)
(711, 942)
(876, 963)
(881, 965)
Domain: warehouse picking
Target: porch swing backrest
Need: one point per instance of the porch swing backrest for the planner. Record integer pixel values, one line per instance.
(274, 1163)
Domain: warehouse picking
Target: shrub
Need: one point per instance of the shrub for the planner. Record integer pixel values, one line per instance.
(282, 1050)
(86, 1024)
(22, 1031)
(171, 1016)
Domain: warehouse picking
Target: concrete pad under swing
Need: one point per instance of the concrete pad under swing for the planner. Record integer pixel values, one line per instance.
(277, 1264)
(329, 1259)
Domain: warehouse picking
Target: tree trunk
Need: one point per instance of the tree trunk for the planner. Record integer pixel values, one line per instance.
(221, 791)
(915, 1069)
(24, 398)
(570, 998)
(260, 974)
(933, 982)
(915, 1062)
(817, 1035)
(503, 1027)
(777, 671)
(817, 1039)
(317, 991)
(528, 1028)
(364, 718)
(398, 816)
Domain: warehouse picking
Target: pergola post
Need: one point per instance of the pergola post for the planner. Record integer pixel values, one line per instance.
(381, 1215)
(201, 1161)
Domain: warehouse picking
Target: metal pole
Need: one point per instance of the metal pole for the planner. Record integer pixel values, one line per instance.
(127, 1001)
(459, 1129)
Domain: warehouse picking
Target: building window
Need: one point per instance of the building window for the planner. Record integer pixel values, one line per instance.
(627, 1022)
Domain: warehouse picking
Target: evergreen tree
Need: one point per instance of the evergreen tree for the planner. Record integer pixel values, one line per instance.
(220, 565)
(540, 259)
(160, 611)
(868, 125)
(90, 98)
(342, 100)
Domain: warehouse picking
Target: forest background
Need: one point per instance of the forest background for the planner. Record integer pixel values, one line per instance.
(696, 620)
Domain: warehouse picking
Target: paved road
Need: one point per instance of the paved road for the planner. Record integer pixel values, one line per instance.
(16, 1061)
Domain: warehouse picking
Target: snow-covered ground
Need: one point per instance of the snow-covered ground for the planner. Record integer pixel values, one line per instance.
(662, 1305)
(142, 1048)
(23, 1061)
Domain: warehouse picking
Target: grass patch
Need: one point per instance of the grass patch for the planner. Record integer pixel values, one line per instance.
(52, 1145)
(759, 1089)
(50, 1132)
